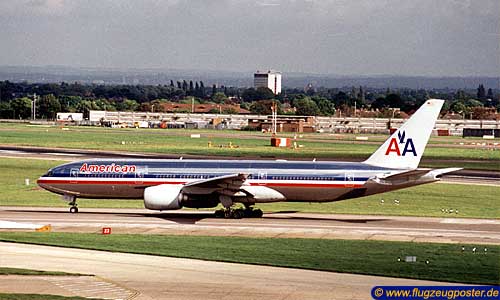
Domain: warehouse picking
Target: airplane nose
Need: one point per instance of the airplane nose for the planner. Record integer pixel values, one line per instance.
(44, 184)
(41, 183)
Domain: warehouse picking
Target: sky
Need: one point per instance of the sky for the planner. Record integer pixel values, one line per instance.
(340, 37)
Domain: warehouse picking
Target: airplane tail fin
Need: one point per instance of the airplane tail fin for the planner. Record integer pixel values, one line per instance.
(404, 148)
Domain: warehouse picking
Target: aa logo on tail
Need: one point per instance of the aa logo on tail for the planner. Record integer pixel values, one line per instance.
(394, 146)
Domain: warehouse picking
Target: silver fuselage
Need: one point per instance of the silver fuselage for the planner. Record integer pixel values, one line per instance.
(296, 181)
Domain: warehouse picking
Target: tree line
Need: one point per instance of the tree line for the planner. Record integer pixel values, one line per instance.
(16, 99)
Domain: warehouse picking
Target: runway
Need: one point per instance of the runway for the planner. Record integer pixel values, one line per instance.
(281, 224)
(133, 276)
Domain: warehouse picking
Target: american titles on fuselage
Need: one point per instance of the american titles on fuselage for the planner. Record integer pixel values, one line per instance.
(112, 168)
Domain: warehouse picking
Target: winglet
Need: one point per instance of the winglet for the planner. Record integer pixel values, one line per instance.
(404, 148)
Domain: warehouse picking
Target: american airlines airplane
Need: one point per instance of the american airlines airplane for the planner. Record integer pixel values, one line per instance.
(173, 184)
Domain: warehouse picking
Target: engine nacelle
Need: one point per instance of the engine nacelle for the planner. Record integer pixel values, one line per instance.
(163, 197)
(263, 194)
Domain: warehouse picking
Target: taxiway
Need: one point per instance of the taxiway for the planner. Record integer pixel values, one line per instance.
(280, 224)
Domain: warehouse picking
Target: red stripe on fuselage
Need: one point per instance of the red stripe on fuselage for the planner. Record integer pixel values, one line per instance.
(130, 182)
(139, 182)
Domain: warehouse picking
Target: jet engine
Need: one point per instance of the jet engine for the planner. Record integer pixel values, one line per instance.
(263, 194)
(163, 197)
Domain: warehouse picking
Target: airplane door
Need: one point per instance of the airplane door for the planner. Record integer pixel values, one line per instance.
(349, 179)
(74, 175)
(262, 176)
(140, 174)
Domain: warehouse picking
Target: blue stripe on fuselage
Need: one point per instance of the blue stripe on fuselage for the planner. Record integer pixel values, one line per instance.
(288, 170)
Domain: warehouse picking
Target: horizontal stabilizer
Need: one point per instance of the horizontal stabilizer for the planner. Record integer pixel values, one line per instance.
(417, 175)
(439, 172)
(412, 173)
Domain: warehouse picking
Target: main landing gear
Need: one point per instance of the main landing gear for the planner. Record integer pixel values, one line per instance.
(73, 209)
(71, 201)
(238, 213)
(229, 212)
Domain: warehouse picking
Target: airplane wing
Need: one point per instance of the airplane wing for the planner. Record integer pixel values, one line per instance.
(228, 184)
(232, 185)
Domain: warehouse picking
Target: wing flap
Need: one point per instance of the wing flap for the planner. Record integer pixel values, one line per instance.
(229, 183)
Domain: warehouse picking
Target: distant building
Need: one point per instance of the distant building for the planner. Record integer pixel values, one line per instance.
(270, 79)
(204, 108)
(284, 124)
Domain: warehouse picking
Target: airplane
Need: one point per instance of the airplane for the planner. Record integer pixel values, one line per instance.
(175, 183)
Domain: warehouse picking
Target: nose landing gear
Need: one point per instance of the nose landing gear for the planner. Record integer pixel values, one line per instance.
(71, 201)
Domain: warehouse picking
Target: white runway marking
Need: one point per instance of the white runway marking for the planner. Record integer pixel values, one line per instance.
(91, 287)
(472, 221)
(61, 154)
(12, 152)
(17, 225)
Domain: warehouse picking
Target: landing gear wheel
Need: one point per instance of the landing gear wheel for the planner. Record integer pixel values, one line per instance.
(257, 213)
(253, 213)
(72, 202)
(238, 214)
(230, 213)
(219, 213)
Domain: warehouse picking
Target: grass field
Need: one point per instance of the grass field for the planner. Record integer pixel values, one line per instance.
(425, 200)
(446, 150)
(447, 262)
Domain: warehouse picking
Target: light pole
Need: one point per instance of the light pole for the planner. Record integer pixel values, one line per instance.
(33, 107)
